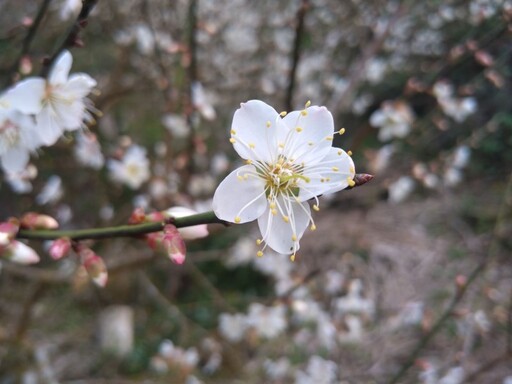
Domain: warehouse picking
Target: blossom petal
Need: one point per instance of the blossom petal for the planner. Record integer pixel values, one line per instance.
(79, 85)
(27, 95)
(331, 174)
(253, 138)
(241, 196)
(312, 134)
(60, 69)
(48, 126)
(279, 236)
(15, 160)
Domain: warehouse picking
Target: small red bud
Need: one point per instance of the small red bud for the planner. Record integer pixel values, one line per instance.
(60, 248)
(155, 217)
(34, 220)
(94, 265)
(174, 244)
(137, 217)
(8, 231)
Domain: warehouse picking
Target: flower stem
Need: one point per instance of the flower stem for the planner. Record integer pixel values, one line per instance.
(120, 231)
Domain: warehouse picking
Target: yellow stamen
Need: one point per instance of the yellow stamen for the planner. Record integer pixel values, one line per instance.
(308, 103)
(349, 153)
(294, 238)
(298, 129)
(232, 141)
(341, 131)
(351, 182)
(238, 219)
(316, 207)
(259, 253)
(286, 219)
(304, 112)
(313, 227)
(252, 145)
(248, 161)
(335, 169)
(259, 241)
(328, 138)
(292, 257)
(233, 132)
(283, 114)
(269, 124)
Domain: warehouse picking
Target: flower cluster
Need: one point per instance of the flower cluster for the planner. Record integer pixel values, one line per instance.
(289, 160)
(36, 111)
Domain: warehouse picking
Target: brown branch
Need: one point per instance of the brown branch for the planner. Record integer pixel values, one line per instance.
(29, 38)
(72, 38)
(295, 54)
(23, 321)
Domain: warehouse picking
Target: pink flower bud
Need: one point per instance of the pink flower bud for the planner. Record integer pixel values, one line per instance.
(188, 233)
(155, 217)
(8, 231)
(137, 217)
(173, 244)
(19, 252)
(60, 248)
(94, 265)
(33, 220)
(154, 239)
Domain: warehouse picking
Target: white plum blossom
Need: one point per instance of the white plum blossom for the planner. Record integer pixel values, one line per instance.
(400, 189)
(58, 102)
(394, 119)
(51, 192)
(268, 322)
(289, 160)
(132, 169)
(18, 138)
(176, 124)
(88, 151)
(233, 327)
(457, 108)
(318, 371)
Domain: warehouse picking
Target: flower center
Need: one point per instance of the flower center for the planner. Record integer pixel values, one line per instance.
(282, 178)
(9, 134)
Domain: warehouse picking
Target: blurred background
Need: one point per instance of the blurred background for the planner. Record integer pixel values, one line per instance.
(407, 279)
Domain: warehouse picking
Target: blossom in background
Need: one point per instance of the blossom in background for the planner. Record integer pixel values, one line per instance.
(457, 108)
(132, 169)
(400, 189)
(233, 327)
(202, 101)
(20, 181)
(87, 151)
(188, 233)
(289, 160)
(51, 192)
(267, 322)
(60, 100)
(394, 119)
(318, 371)
(176, 124)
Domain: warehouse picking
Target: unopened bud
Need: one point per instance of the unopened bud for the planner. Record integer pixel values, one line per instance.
(174, 244)
(137, 217)
(155, 217)
(34, 220)
(19, 252)
(94, 265)
(460, 281)
(8, 231)
(60, 248)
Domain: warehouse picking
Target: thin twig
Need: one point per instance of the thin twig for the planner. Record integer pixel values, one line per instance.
(29, 38)
(72, 38)
(299, 32)
(122, 230)
(486, 368)
(23, 321)
(461, 290)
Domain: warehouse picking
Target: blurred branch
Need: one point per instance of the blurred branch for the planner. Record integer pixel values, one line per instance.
(122, 230)
(201, 279)
(23, 321)
(73, 36)
(342, 100)
(487, 367)
(299, 32)
(28, 39)
(462, 288)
